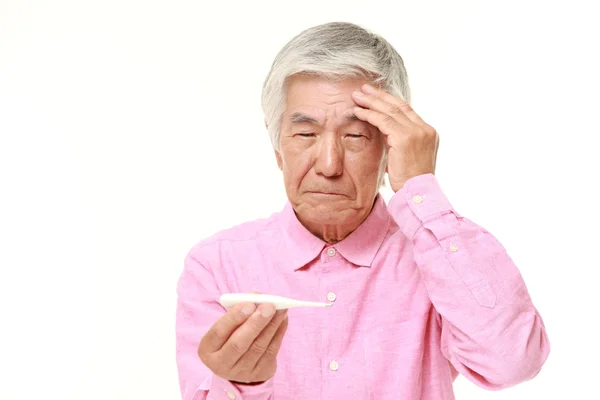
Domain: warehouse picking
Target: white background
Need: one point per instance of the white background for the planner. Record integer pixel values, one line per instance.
(130, 130)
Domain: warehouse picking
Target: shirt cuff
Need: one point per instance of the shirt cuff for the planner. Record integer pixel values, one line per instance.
(223, 389)
(420, 199)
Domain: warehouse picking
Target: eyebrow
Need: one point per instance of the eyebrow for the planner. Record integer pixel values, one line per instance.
(299, 118)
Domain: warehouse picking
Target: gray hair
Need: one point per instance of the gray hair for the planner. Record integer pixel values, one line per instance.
(336, 51)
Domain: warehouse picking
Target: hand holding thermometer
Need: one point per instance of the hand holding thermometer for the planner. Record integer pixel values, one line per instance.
(228, 300)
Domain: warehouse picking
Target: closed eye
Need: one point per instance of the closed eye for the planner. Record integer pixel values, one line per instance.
(306, 134)
(355, 135)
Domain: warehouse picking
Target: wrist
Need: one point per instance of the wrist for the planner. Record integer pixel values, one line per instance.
(235, 389)
(247, 383)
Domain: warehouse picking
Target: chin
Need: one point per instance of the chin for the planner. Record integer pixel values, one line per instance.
(328, 212)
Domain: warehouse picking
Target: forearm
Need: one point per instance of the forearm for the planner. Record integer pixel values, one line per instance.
(491, 332)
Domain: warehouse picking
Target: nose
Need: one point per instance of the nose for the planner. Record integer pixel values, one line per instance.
(330, 157)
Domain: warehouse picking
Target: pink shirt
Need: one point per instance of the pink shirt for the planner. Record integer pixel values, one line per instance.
(420, 294)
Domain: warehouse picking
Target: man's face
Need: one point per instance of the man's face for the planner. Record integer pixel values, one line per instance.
(330, 159)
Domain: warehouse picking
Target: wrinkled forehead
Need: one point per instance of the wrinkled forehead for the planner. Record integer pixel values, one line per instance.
(319, 116)
(319, 101)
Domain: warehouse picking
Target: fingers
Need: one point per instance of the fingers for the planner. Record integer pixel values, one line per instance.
(437, 145)
(240, 341)
(269, 358)
(263, 342)
(221, 330)
(277, 339)
(386, 103)
(376, 104)
(396, 101)
(385, 123)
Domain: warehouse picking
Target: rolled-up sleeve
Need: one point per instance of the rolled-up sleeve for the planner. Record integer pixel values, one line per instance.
(491, 331)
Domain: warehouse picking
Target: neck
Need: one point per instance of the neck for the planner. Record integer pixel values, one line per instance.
(336, 232)
(333, 233)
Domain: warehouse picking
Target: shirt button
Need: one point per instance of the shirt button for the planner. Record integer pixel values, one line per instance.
(331, 252)
(331, 296)
(231, 395)
(333, 366)
(417, 199)
(453, 248)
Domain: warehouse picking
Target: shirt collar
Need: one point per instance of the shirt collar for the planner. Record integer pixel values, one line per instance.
(359, 248)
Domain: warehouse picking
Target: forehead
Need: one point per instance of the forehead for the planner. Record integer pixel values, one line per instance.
(321, 98)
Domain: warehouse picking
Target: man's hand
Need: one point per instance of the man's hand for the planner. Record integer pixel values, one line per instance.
(242, 345)
(412, 144)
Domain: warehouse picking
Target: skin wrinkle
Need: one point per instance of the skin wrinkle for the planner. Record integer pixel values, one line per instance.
(325, 148)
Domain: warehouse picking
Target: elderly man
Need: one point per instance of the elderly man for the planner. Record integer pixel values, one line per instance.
(420, 293)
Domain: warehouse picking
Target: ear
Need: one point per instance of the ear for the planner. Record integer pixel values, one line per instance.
(279, 160)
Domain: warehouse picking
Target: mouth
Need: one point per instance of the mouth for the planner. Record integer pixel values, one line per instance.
(333, 194)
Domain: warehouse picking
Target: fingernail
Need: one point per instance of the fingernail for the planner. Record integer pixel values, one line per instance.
(267, 311)
(368, 88)
(248, 309)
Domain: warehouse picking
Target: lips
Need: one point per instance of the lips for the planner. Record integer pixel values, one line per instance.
(326, 193)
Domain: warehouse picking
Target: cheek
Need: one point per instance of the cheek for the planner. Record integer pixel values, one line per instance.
(364, 165)
(296, 164)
